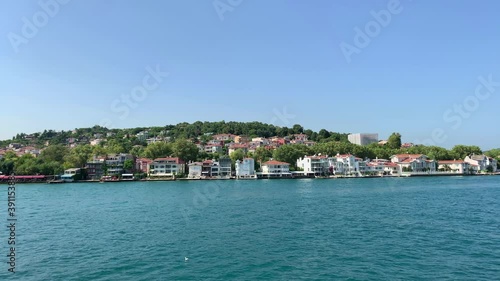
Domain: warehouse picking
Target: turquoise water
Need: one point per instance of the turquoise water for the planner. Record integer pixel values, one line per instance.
(445, 228)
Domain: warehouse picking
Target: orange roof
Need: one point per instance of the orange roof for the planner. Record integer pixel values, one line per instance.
(451, 162)
(274, 162)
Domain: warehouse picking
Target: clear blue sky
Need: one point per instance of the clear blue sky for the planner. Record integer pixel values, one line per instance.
(262, 57)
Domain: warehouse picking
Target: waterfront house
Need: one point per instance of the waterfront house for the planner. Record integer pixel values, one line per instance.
(74, 174)
(391, 168)
(210, 169)
(454, 166)
(245, 168)
(314, 165)
(142, 164)
(95, 168)
(414, 163)
(166, 167)
(480, 163)
(224, 164)
(275, 169)
(115, 162)
(195, 170)
(346, 164)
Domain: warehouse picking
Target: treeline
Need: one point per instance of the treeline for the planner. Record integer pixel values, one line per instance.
(55, 158)
(199, 131)
(182, 138)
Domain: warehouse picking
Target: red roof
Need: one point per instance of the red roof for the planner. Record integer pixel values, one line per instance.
(451, 162)
(274, 162)
(24, 177)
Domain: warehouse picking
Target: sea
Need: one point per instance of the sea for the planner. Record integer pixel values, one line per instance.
(416, 228)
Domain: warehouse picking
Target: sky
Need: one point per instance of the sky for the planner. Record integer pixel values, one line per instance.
(427, 69)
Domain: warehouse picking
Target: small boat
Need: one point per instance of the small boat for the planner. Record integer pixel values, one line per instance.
(109, 179)
(55, 181)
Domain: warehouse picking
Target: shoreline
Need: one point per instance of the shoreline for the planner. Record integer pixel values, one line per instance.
(263, 178)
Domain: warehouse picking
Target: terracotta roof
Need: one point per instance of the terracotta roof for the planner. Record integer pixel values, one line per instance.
(451, 162)
(274, 162)
(344, 155)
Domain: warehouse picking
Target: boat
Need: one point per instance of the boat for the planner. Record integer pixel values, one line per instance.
(247, 177)
(55, 181)
(109, 179)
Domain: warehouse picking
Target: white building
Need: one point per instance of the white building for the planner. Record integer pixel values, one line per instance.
(317, 164)
(480, 163)
(95, 142)
(213, 148)
(453, 166)
(210, 169)
(142, 136)
(245, 168)
(195, 170)
(363, 139)
(273, 169)
(166, 167)
(346, 164)
(414, 163)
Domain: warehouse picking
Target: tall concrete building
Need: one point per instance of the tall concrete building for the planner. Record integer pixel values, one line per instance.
(362, 139)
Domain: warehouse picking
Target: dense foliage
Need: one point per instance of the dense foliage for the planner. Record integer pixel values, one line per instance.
(57, 156)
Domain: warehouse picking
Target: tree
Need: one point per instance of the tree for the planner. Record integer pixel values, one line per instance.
(394, 141)
(238, 154)
(54, 153)
(323, 134)
(114, 146)
(489, 169)
(78, 156)
(297, 129)
(262, 154)
(157, 150)
(128, 165)
(290, 153)
(185, 150)
(461, 151)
